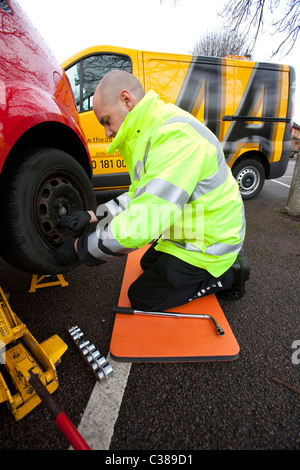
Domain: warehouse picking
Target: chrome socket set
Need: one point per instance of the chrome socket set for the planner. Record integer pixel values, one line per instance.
(99, 366)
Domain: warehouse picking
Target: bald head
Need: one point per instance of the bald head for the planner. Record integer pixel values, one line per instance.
(116, 95)
(114, 82)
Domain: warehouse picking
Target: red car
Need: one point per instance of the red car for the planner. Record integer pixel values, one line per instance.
(44, 160)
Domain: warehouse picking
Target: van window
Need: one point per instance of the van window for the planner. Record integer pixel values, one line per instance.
(85, 75)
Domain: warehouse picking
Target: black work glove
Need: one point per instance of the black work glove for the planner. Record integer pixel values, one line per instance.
(76, 221)
(66, 254)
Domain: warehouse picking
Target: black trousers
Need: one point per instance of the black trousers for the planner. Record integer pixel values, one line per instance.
(168, 282)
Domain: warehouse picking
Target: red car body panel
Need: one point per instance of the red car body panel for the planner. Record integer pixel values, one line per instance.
(33, 87)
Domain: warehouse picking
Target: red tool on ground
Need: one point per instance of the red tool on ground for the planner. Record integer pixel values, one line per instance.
(61, 419)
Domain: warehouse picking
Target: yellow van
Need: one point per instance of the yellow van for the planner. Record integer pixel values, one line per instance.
(248, 105)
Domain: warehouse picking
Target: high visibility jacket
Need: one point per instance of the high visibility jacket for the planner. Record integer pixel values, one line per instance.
(181, 191)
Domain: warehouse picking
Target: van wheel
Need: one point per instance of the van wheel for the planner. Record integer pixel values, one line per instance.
(250, 175)
(46, 184)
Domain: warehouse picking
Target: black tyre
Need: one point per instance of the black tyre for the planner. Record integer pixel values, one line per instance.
(47, 184)
(250, 175)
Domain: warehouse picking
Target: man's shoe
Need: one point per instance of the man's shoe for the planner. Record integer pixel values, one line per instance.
(241, 274)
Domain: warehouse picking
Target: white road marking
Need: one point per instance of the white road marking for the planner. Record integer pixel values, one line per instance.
(99, 418)
(279, 182)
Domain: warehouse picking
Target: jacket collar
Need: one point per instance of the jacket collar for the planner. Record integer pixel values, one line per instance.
(135, 122)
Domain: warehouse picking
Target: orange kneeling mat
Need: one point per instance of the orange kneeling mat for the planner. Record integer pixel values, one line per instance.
(145, 338)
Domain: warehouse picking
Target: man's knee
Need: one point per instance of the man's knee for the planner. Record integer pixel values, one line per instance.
(136, 297)
(132, 293)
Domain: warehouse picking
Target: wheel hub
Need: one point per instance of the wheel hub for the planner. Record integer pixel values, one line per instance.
(56, 197)
(248, 180)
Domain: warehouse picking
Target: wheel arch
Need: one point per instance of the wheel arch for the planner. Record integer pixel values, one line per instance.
(254, 155)
(48, 134)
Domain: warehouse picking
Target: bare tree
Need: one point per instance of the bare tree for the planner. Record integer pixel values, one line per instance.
(174, 2)
(253, 14)
(221, 44)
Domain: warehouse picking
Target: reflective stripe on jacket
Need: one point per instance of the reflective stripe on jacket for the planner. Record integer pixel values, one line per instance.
(181, 191)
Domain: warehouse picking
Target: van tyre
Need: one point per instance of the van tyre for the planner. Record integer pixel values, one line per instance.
(46, 184)
(250, 176)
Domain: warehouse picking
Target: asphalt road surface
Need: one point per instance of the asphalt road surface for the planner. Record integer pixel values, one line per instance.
(178, 407)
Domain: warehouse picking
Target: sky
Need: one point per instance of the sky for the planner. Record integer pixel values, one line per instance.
(68, 26)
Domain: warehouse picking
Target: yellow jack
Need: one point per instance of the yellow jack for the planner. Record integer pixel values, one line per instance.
(21, 355)
(36, 282)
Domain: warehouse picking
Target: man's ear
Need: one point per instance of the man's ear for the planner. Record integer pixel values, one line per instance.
(127, 99)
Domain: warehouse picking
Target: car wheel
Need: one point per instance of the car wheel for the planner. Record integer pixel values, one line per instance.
(47, 184)
(250, 176)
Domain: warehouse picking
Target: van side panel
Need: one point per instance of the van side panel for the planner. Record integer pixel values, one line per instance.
(192, 84)
(246, 104)
(278, 168)
(261, 114)
(202, 86)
